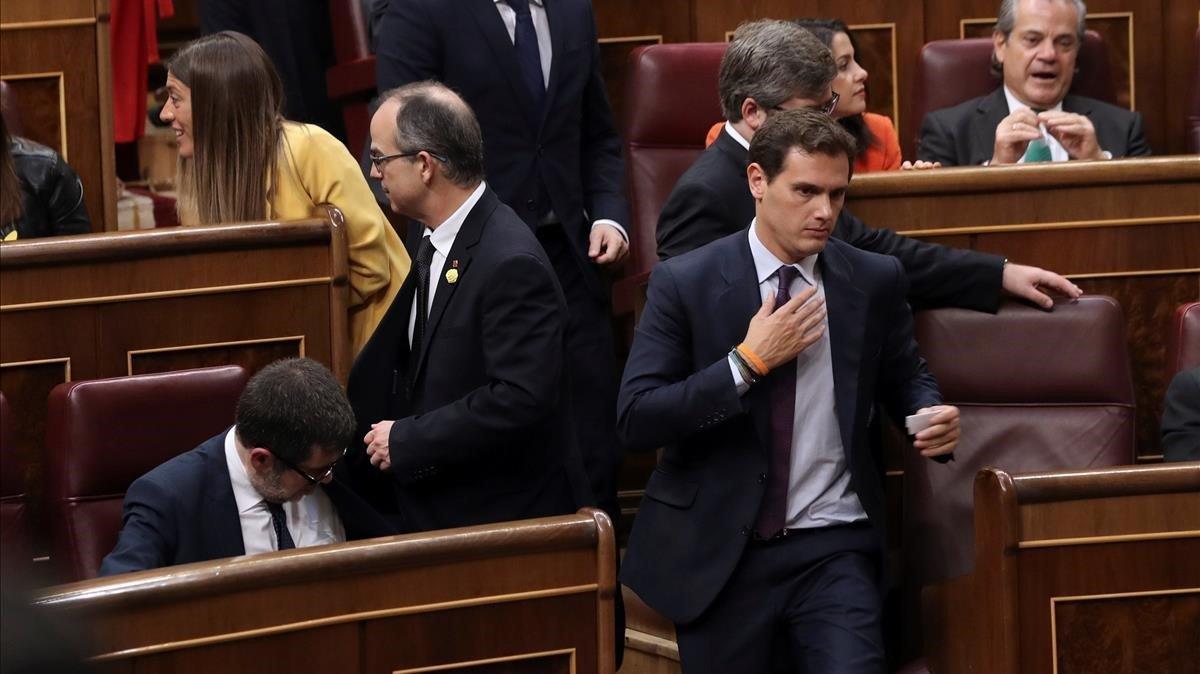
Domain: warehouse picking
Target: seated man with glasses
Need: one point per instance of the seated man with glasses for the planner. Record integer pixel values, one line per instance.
(777, 65)
(265, 484)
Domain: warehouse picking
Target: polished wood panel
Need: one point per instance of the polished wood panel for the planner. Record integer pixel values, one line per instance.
(118, 303)
(1150, 633)
(1026, 582)
(1126, 228)
(56, 56)
(532, 596)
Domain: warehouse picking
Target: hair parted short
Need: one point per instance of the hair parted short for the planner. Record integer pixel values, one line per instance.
(292, 407)
(809, 131)
(433, 118)
(1006, 19)
(772, 61)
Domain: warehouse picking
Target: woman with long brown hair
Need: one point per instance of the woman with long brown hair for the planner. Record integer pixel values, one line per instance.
(240, 160)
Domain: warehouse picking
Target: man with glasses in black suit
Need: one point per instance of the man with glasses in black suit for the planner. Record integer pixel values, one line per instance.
(264, 484)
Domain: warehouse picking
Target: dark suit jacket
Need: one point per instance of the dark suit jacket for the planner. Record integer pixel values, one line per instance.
(712, 199)
(483, 436)
(1181, 418)
(572, 149)
(965, 135)
(678, 391)
(184, 511)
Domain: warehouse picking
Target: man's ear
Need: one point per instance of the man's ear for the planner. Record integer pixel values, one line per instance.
(261, 459)
(999, 40)
(428, 167)
(757, 179)
(753, 113)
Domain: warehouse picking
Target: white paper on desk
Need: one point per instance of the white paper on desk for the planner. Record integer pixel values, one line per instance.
(915, 423)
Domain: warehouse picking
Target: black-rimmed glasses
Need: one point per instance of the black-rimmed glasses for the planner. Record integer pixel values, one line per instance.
(309, 478)
(380, 159)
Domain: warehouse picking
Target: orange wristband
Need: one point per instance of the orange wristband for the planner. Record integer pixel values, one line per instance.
(760, 368)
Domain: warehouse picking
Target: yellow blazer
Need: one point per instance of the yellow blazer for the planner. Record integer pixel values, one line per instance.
(314, 169)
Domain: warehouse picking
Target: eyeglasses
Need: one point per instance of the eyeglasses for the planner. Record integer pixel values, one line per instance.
(827, 108)
(309, 478)
(380, 159)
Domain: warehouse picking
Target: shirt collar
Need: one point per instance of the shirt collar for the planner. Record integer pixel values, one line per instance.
(244, 493)
(766, 264)
(1015, 104)
(733, 133)
(443, 237)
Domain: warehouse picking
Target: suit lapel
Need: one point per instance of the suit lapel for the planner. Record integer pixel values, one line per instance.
(738, 302)
(458, 259)
(221, 525)
(847, 320)
(991, 110)
(496, 35)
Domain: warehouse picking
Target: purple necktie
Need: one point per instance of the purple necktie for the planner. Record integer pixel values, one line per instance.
(782, 382)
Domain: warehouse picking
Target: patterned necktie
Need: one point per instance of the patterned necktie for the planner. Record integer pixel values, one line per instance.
(279, 520)
(422, 264)
(529, 58)
(772, 515)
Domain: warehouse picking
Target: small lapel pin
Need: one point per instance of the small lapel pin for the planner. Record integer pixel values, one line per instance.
(452, 273)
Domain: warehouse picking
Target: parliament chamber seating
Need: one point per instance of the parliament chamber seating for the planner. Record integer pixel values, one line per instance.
(1183, 343)
(952, 71)
(104, 434)
(1075, 572)
(350, 82)
(527, 597)
(15, 554)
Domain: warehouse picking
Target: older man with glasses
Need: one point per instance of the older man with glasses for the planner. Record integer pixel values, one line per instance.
(265, 484)
(776, 65)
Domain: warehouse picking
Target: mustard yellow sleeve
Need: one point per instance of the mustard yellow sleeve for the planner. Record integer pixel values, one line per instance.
(331, 176)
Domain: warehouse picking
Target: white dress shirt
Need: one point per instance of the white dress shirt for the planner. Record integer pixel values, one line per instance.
(311, 520)
(819, 493)
(442, 237)
(733, 133)
(1057, 151)
(537, 9)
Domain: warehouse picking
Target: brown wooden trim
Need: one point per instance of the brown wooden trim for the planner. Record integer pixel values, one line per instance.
(606, 572)
(963, 23)
(212, 345)
(108, 149)
(298, 566)
(657, 39)
(1049, 226)
(340, 357)
(160, 294)
(111, 246)
(1108, 482)
(648, 643)
(142, 651)
(56, 23)
(492, 661)
(1128, 16)
(63, 102)
(1134, 274)
(1023, 177)
(66, 361)
(1055, 601)
(1116, 538)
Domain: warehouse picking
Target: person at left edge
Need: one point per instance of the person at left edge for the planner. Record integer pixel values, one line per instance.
(458, 394)
(239, 492)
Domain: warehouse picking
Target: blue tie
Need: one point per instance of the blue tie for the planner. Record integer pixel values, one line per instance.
(283, 537)
(528, 57)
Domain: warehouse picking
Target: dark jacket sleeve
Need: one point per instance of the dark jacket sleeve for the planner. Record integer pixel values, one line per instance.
(663, 400)
(692, 217)
(523, 323)
(407, 45)
(148, 536)
(1136, 145)
(602, 166)
(939, 276)
(906, 385)
(1181, 418)
(68, 214)
(935, 142)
